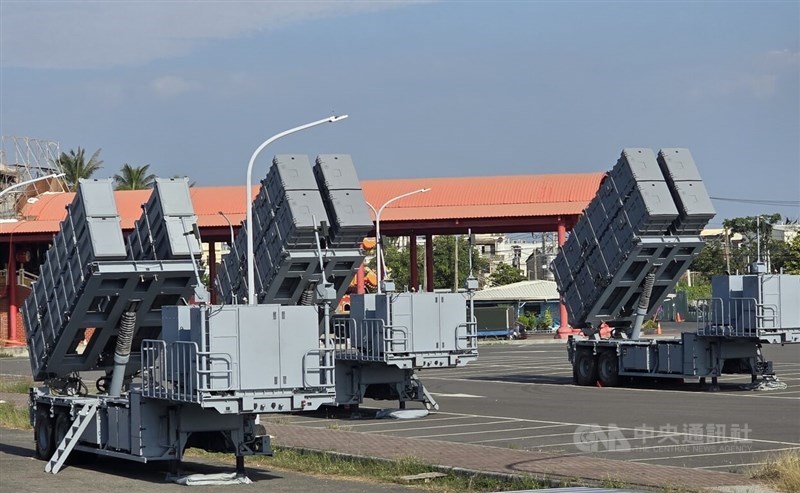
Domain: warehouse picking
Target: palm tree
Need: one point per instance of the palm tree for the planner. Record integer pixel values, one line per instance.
(134, 178)
(75, 167)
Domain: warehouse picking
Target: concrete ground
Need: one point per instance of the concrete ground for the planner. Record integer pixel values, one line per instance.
(520, 395)
(516, 405)
(21, 472)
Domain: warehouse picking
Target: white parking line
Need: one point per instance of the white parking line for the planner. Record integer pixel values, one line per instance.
(483, 432)
(626, 389)
(731, 466)
(382, 422)
(477, 372)
(466, 396)
(620, 428)
(516, 353)
(504, 421)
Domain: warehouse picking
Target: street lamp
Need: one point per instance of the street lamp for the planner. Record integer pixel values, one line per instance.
(251, 285)
(233, 247)
(379, 255)
(28, 182)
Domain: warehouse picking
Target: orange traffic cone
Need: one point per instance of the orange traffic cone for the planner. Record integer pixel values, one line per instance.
(658, 329)
(678, 317)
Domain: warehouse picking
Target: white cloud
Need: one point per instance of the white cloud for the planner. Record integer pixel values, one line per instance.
(784, 57)
(171, 85)
(761, 76)
(761, 86)
(101, 34)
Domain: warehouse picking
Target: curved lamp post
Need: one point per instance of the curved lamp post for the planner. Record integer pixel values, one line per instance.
(28, 182)
(379, 255)
(251, 285)
(230, 226)
(12, 329)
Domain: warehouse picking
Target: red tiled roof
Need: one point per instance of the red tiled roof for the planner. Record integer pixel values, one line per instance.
(484, 196)
(449, 198)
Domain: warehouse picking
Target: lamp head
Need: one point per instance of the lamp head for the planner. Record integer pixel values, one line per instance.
(336, 118)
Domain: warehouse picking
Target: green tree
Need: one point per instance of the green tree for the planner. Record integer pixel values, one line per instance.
(75, 167)
(444, 261)
(506, 274)
(699, 290)
(710, 261)
(757, 235)
(792, 263)
(134, 178)
(397, 262)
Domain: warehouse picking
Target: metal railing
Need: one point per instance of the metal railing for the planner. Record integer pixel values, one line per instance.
(743, 317)
(179, 372)
(325, 368)
(470, 336)
(24, 278)
(372, 340)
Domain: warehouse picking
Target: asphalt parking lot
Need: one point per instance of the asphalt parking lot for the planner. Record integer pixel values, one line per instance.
(520, 395)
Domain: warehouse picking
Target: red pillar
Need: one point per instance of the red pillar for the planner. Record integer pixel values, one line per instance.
(12, 293)
(429, 262)
(212, 270)
(563, 331)
(360, 279)
(412, 254)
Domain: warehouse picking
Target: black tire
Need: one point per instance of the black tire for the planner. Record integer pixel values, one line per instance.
(43, 435)
(585, 367)
(62, 426)
(608, 369)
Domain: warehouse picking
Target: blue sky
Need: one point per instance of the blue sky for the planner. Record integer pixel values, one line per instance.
(433, 88)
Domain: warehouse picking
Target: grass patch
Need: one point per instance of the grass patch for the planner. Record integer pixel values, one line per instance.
(12, 416)
(3, 354)
(337, 426)
(276, 419)
(610, 482)
(15, 386)
(781, 472)
(325, 464)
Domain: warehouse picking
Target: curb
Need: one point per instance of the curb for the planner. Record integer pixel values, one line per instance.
(15, 351)
(552, 481)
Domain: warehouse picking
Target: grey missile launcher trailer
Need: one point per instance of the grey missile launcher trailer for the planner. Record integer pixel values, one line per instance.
(309, 222)
(176, 375)
(635, 240)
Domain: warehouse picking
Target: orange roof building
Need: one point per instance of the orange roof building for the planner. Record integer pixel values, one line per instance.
(486, 204)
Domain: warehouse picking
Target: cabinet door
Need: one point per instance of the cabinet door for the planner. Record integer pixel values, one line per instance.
(299, 347)
(259, 347)
(452, 314)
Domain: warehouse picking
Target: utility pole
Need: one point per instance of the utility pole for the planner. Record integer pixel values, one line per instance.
(727, 251)
(455, 267)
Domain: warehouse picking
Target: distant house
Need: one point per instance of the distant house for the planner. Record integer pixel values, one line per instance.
(785, 232)
(534, 297)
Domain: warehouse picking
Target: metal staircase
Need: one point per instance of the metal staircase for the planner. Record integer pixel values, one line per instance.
(75, 431)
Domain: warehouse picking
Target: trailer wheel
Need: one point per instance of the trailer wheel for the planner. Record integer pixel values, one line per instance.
(63, 424)
(608, 369)
(43, 435)
(585, 367)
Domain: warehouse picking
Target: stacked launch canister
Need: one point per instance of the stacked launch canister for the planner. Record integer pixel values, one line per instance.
(165, 229)
(89, 278)
(646, 216)
(297, 209)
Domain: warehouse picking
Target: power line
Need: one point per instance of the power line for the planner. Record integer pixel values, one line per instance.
(777, 203)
